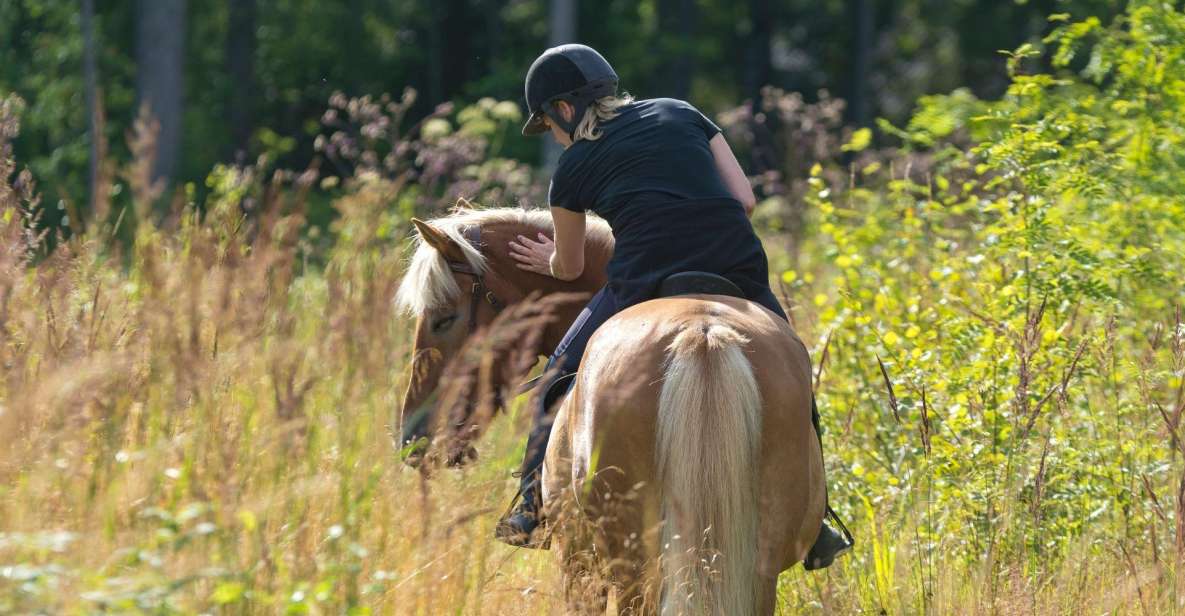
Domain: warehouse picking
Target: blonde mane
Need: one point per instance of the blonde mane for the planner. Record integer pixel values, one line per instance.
(428, 282)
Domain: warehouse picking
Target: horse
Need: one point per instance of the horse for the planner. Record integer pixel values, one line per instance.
(455, 289)
(683, 473)
(699, 405)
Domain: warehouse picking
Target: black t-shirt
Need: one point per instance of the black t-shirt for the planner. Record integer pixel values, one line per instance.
(654, 151)
(652, 176)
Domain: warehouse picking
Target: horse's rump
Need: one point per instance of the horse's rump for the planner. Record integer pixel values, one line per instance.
(700, 405)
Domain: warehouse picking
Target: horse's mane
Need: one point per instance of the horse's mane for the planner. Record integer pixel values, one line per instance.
(428, 282)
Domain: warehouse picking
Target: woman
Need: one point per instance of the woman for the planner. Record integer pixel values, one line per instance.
(666, 181)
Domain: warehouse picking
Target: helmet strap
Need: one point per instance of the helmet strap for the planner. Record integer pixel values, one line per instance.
(579, 99)
(553, 112)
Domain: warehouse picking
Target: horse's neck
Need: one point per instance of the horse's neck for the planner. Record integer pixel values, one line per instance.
(596, 258)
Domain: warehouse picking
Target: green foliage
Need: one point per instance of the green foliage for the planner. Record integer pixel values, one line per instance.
(459, 52)
(1024, 297)
(201, 422)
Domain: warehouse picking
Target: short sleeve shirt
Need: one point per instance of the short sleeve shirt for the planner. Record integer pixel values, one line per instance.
(654, 151)
(652, 176)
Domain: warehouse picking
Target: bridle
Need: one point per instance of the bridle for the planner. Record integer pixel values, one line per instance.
(479, 290)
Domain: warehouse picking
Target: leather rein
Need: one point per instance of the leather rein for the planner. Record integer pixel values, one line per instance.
(479, 290)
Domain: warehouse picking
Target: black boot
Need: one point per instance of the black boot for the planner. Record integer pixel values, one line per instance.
(520, 522)
(830, 544)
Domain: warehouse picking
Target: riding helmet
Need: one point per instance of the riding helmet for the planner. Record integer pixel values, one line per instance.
(573, 73)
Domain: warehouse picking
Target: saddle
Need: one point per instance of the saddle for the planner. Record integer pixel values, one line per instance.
(697, 283)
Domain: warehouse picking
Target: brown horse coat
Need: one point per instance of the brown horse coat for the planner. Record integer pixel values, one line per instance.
(605, 442)
(638, 442)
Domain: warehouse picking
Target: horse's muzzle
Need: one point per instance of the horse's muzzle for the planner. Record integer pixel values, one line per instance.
(413, 451)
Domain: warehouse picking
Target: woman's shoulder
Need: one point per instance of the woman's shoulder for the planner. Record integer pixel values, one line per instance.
(665, 104)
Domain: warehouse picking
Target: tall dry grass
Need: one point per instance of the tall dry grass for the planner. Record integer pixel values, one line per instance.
(197, 417)
(201, 421)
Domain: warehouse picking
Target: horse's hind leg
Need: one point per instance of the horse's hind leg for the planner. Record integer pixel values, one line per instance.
(585, 589)
(767, 595)
(615, 512)
(633, 593)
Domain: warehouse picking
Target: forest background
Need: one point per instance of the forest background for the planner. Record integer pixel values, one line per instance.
(973, 211)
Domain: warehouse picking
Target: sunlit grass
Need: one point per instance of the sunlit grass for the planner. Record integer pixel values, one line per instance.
(205, 430)
(199, 419)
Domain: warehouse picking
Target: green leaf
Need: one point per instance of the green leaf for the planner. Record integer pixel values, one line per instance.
(859, 141)
(228, 592)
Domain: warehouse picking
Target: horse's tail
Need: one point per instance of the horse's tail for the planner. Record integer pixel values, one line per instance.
(709, 427)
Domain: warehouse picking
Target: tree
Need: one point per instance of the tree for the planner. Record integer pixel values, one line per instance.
(562, 27)
(90, 86)
(240, 66)
(676, 24)
(160, 78)
(758, 64)
(861, 23)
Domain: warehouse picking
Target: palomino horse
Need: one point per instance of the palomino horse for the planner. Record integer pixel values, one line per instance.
(699, 406)
(683, 466)
(454, 288)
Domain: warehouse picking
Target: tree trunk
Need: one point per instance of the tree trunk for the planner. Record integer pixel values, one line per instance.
(494, 38)
(160, 77)
(435, 55)
(90, 80)
(861, 25)
(758, 67)
(676, 24)
(240, 66)
(458, 28)
(562, 28)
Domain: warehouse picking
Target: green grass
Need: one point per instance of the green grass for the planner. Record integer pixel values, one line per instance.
(199, 419)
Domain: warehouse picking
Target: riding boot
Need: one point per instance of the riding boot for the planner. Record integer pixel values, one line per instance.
(830, 544)
(516, 527)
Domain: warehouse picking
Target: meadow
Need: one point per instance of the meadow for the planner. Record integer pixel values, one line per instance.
(197, 400)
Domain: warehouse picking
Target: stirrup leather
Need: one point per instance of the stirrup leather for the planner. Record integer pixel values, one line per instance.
(834, 517)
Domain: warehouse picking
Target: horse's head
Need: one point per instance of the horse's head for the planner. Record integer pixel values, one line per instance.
(459, 280)
(452, 291)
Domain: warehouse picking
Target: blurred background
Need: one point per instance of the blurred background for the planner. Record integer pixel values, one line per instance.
(973, 212)
(229, 80)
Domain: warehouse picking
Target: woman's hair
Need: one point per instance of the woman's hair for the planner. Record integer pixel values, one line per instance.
(602, 109)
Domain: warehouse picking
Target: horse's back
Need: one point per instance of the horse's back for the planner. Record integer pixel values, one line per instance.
(611, 419)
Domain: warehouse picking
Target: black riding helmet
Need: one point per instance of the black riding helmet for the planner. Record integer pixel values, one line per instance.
(573, 73)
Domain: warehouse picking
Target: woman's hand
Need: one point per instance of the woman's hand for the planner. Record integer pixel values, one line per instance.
(533, 256)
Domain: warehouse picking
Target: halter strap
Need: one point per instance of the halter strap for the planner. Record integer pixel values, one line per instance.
(479, 289)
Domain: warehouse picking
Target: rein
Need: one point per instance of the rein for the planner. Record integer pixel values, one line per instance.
(479, 289)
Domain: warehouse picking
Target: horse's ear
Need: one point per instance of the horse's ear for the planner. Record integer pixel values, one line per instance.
(438, 239)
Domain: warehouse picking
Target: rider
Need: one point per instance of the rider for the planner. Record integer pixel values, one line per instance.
(663, 177)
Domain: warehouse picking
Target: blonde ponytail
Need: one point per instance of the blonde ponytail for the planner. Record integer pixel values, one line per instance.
(602, 109)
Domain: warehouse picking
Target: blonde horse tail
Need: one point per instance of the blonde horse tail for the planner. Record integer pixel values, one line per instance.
(708, 438)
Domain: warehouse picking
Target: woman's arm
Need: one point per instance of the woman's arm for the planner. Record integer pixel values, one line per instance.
(567, 262)
(562, 258)
(730, 171)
